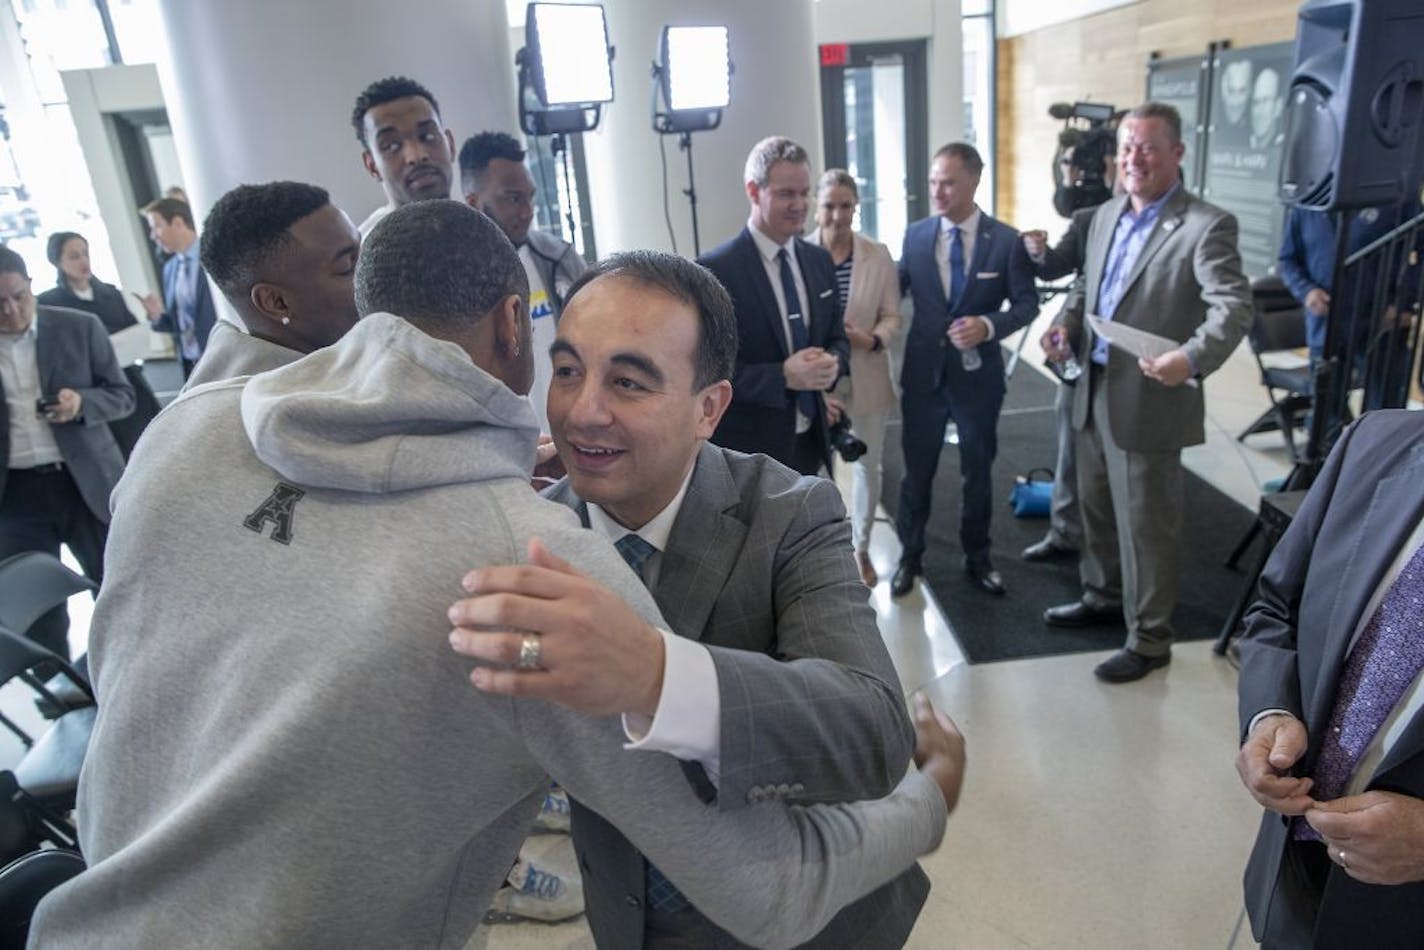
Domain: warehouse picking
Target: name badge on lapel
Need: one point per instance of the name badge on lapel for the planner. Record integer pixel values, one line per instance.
(824, 294)
(986, 275)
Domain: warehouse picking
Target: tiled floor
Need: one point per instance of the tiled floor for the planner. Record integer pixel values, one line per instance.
(1093, 815)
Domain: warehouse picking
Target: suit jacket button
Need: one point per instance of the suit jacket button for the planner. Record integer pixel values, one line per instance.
(633, 900)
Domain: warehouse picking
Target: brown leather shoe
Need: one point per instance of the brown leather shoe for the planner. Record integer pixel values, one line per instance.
(867, 569)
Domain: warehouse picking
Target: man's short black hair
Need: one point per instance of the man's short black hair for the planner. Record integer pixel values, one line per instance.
(482, 148)
(248, 225)
(693, 285)
(382, 91)
(12, 263)
(437, 262)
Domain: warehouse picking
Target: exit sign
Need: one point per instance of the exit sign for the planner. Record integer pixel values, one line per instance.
(835, 54)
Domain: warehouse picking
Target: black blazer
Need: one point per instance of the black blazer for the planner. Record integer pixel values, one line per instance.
(108, 303)
(1313, 592)
(762, 416)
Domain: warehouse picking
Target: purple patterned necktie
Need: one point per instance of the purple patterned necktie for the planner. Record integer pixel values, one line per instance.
(1385, 660)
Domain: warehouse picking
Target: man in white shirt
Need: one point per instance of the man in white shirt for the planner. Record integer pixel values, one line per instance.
(60, 385)
(404, 145)
(1331, 700)
(496, 181)
(751, 566)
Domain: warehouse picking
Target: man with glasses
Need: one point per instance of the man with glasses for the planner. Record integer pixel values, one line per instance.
(496, 181)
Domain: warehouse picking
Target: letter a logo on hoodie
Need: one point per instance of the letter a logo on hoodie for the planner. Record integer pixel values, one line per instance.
(278, 509)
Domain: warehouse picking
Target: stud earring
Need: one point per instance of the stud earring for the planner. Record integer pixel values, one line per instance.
(286, 321)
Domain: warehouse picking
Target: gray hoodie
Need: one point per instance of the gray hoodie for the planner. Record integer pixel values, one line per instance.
(231, 352)
(287, 751)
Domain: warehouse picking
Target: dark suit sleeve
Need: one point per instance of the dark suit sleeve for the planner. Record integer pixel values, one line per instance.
(1066, 257)
(903, 265)
(1270, 676)
(109, 395)
(761, 383)
(1022, 294)
(826, 712)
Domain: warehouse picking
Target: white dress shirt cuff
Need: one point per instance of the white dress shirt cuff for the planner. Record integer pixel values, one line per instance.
(1263, 714)
(989, 325)
(688, 720)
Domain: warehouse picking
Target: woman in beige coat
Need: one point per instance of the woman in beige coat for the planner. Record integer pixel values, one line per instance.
(870, 298)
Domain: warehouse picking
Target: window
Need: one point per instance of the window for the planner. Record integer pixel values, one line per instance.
(980, 63)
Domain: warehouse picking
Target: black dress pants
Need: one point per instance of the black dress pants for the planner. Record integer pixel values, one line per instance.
(41, 508)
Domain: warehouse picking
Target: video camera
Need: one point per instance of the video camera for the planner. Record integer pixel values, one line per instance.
(1087, 140)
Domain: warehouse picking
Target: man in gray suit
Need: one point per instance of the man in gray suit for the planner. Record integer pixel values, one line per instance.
(1160, 260)
(782, 686)
(61, 385)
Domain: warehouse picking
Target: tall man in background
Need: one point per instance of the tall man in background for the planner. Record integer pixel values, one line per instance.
(186, 310)
(404, 146)
(790, 331)
(1160, 260)
(60, 384)
(495, 180)
(959, 266)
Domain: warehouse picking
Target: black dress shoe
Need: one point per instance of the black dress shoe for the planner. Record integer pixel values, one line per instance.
(1047, 550)
(1081, 614)
(904, 580)
(1124, 666)
(986, 579)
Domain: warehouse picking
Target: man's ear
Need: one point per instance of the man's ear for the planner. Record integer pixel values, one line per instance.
(753, 192)
(270, 301)
(450, 141)
(712, 403)
(369, 161)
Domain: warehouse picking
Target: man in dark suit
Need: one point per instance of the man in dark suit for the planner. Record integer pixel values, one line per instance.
(1161, 260)
(959, 267)
(791, 342)
(186, 310)
(777, 685)
(61, 384)
(1332, 708)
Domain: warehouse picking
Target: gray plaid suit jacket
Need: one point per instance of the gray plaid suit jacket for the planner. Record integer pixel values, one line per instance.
(759, 569)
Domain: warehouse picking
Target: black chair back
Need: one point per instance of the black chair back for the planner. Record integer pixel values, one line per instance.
(31, 584)
(24, 882)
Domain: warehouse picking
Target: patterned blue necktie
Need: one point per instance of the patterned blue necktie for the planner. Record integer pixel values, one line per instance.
(662, 894)
(1386, 659)
(800, 339)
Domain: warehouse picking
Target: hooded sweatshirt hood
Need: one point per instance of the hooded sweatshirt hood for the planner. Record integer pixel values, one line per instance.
(387, 409)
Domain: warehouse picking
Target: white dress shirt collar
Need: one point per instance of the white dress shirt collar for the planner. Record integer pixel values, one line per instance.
(767, 247)
(968, 228)
(655, 532)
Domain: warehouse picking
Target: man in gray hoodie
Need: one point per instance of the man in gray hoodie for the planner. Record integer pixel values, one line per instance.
(287, 751)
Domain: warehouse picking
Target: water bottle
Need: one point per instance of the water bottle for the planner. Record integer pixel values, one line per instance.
(970, 359)
(1070, 369)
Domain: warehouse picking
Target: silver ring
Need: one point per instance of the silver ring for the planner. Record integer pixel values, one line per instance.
(1345, 865)
(529, 652)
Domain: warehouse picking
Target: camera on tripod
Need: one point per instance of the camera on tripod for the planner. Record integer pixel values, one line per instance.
(1086, 142)
(847, 446)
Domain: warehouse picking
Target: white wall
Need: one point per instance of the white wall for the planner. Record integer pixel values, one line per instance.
(1025, 16)
(263, 89)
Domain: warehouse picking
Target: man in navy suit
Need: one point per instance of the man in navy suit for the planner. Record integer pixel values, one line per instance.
(186, 310)
(959, 266)
(791, 342)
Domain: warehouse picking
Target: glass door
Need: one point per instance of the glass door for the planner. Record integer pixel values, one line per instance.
(875, 119)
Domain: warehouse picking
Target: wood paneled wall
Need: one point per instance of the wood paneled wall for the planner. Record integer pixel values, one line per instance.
(1102, 58)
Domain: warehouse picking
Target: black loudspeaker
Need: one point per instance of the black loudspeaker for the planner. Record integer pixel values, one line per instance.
(1355, 105)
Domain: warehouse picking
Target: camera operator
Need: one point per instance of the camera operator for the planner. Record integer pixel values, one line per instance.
(1076, 188)
(870, 299)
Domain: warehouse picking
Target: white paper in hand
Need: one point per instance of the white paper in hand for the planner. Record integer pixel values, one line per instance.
(1139, 343)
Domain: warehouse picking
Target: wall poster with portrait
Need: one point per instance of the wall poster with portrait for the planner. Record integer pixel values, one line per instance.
(1181, 83)
(1244, 144)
